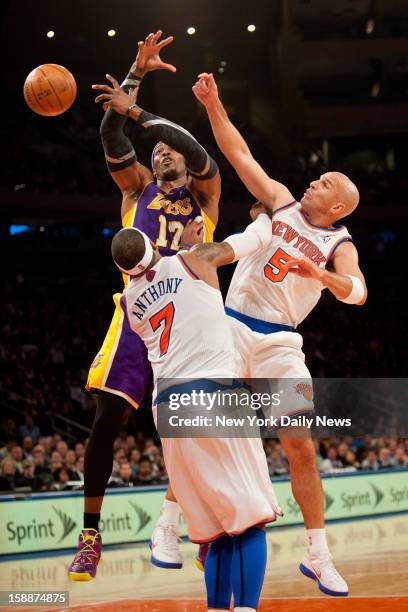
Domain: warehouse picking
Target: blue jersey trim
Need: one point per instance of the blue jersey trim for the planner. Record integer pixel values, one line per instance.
(348, 239)
(262, 327)
(284, 206)
(202, 384)
(334, 228)
(188, 268)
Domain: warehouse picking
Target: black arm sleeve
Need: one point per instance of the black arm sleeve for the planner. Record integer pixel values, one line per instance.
(119, 151)
(199, 164)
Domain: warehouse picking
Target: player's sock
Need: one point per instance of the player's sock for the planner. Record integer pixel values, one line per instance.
(91, 520)
(317, 542)
(244, 610)
(248, 568)
(170, 513)
(217, 572)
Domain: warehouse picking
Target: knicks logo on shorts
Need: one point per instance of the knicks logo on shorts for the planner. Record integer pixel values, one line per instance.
(306, 390)
(97, 361)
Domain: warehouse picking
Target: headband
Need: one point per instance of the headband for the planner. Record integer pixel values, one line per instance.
(146, 259)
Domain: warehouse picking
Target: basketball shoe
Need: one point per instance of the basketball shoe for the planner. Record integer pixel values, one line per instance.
(321, 569)
(201, 556)
(164, 545)
(87, 557)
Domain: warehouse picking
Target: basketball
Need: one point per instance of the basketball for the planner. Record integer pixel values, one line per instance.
(50, 90)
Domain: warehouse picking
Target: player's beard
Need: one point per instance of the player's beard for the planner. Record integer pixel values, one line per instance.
(169, 174)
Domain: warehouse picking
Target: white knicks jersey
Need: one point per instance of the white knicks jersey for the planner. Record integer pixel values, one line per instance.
(182, 322)
(262, 289)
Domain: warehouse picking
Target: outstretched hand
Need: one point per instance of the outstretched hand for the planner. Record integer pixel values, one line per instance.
(205, 89)
(193, 232)
(304, 268)
(148, 55)
(115, 97)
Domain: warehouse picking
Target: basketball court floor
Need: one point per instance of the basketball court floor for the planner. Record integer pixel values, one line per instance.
(371, 554)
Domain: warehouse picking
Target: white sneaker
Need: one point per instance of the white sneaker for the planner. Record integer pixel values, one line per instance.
(164, 545)
(323, 571)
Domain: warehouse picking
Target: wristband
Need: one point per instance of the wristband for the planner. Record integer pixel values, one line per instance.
(131, 81)
(357, 292)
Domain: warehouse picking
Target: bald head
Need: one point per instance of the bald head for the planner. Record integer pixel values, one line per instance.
(347, 192)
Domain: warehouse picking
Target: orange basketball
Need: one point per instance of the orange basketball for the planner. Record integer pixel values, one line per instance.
(50, 90)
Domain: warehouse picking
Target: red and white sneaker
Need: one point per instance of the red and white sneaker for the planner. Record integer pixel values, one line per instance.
(322, 570)
(164, 545)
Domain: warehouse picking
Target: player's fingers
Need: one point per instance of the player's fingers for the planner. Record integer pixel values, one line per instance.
(203, 75)
(106, 105)
(291, 262)
(113, 81)
(103, 97)
(157, 36)
(165, 42)
(168, 67)
(149, 39)
(103, 88)
(211, 80)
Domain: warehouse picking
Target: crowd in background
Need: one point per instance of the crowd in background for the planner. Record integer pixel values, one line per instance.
(36, 462)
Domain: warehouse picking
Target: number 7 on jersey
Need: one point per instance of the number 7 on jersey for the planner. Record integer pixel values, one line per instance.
(164, 315)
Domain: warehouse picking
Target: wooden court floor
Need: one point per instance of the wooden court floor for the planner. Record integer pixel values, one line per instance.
(371, 554)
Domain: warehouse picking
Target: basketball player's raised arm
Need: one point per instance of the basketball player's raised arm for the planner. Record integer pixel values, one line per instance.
(270, 192)
(346, 282)
(256, 236)
(126, 171)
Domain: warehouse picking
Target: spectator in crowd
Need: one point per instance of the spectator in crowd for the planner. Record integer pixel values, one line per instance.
(349, 462)
(61, 477)
(28, 479)
(134, 461)
(371, 461)
(401, 458)
(385, 460)
(145, 475)
(80, 449)
(18, 457)
(30, 429)
(7, 474)
(79, 467)
(28, 447)
(126, 478)
(331, 463)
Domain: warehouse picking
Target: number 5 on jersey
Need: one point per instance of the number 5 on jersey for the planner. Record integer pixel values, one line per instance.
(164, 315)
(274, 270)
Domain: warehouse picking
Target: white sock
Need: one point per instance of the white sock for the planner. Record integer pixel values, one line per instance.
(317, 542)
(170, 513)
(244, 610)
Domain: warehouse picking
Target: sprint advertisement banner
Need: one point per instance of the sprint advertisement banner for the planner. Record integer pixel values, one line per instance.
(52, 522)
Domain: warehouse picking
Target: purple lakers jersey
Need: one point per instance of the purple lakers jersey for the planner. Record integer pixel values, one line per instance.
(162, 216)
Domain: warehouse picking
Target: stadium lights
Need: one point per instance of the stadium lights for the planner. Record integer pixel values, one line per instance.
(251, 28)
(111, 33)
(50, 34)
(191, 30)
